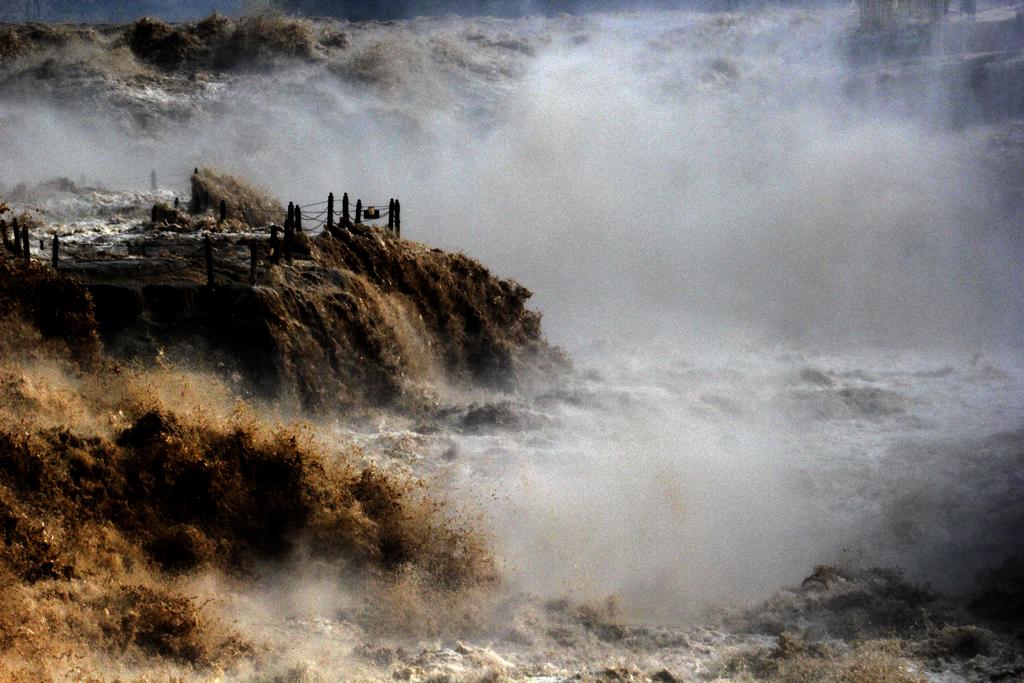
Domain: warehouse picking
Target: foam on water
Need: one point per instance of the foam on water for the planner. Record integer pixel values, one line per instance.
(679, 480)
(795, 310)
(666, 183)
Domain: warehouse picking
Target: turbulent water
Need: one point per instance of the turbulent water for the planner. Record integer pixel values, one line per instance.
(793, 300)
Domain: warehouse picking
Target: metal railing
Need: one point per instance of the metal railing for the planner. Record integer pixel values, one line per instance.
(178, 255)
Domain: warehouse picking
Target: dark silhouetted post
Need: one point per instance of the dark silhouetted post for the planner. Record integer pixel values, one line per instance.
(42, 244)
(346, 220)
(330, 210)
(398, 218)
(6, 237)
(208, 248)
(391, 214)
(252, 264)
(298, 219)
(223, 211)
(275, 245)
(152, 180)
(195, 193)
(359, 211)
(24, 244)
(17, 236)
(289, 236)
(176, 203)
(55, 259)
(290, 221)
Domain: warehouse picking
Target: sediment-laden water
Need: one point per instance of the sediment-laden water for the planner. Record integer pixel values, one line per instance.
(788, 281)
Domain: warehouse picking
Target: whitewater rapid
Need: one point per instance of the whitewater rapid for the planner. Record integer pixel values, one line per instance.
(662, 490)
(682, 480)
(773, 282)
(784, 294)
(794, 306)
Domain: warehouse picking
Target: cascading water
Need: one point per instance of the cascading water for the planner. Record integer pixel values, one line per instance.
(794, 302)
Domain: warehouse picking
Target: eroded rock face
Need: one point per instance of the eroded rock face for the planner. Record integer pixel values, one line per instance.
(108, 493)
(368, 319)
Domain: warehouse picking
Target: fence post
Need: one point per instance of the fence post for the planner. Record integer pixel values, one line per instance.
(152, 180)
(398, 218)
(291, 215)
(195, 193)
(252, 264)
(359, 211)
(176, 203)
(275, 245)
(391, 214)
(289, 234)
(3, 229)
(223, 211)
(345, 219)
(298, 218)
(25, 245)
(330, 210)
(208, 248)
(56, 251)
(17, 235)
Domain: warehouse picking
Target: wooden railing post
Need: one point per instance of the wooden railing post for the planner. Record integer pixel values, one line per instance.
(398, 218)
(17, 236)
(195, 202)
(252, 264)
(275, 245)
(289, 236)
(345, 218)
(359, 211)
(25, 244)
(223, 211)
(298, 218)
(391, 214)
(55, 259)
(208, 248)
(330, 210)
(290, 221)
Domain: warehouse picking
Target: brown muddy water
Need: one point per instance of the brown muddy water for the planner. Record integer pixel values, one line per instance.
(783, 442)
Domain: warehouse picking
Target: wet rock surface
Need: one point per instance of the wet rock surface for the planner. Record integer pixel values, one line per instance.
(361, 322)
